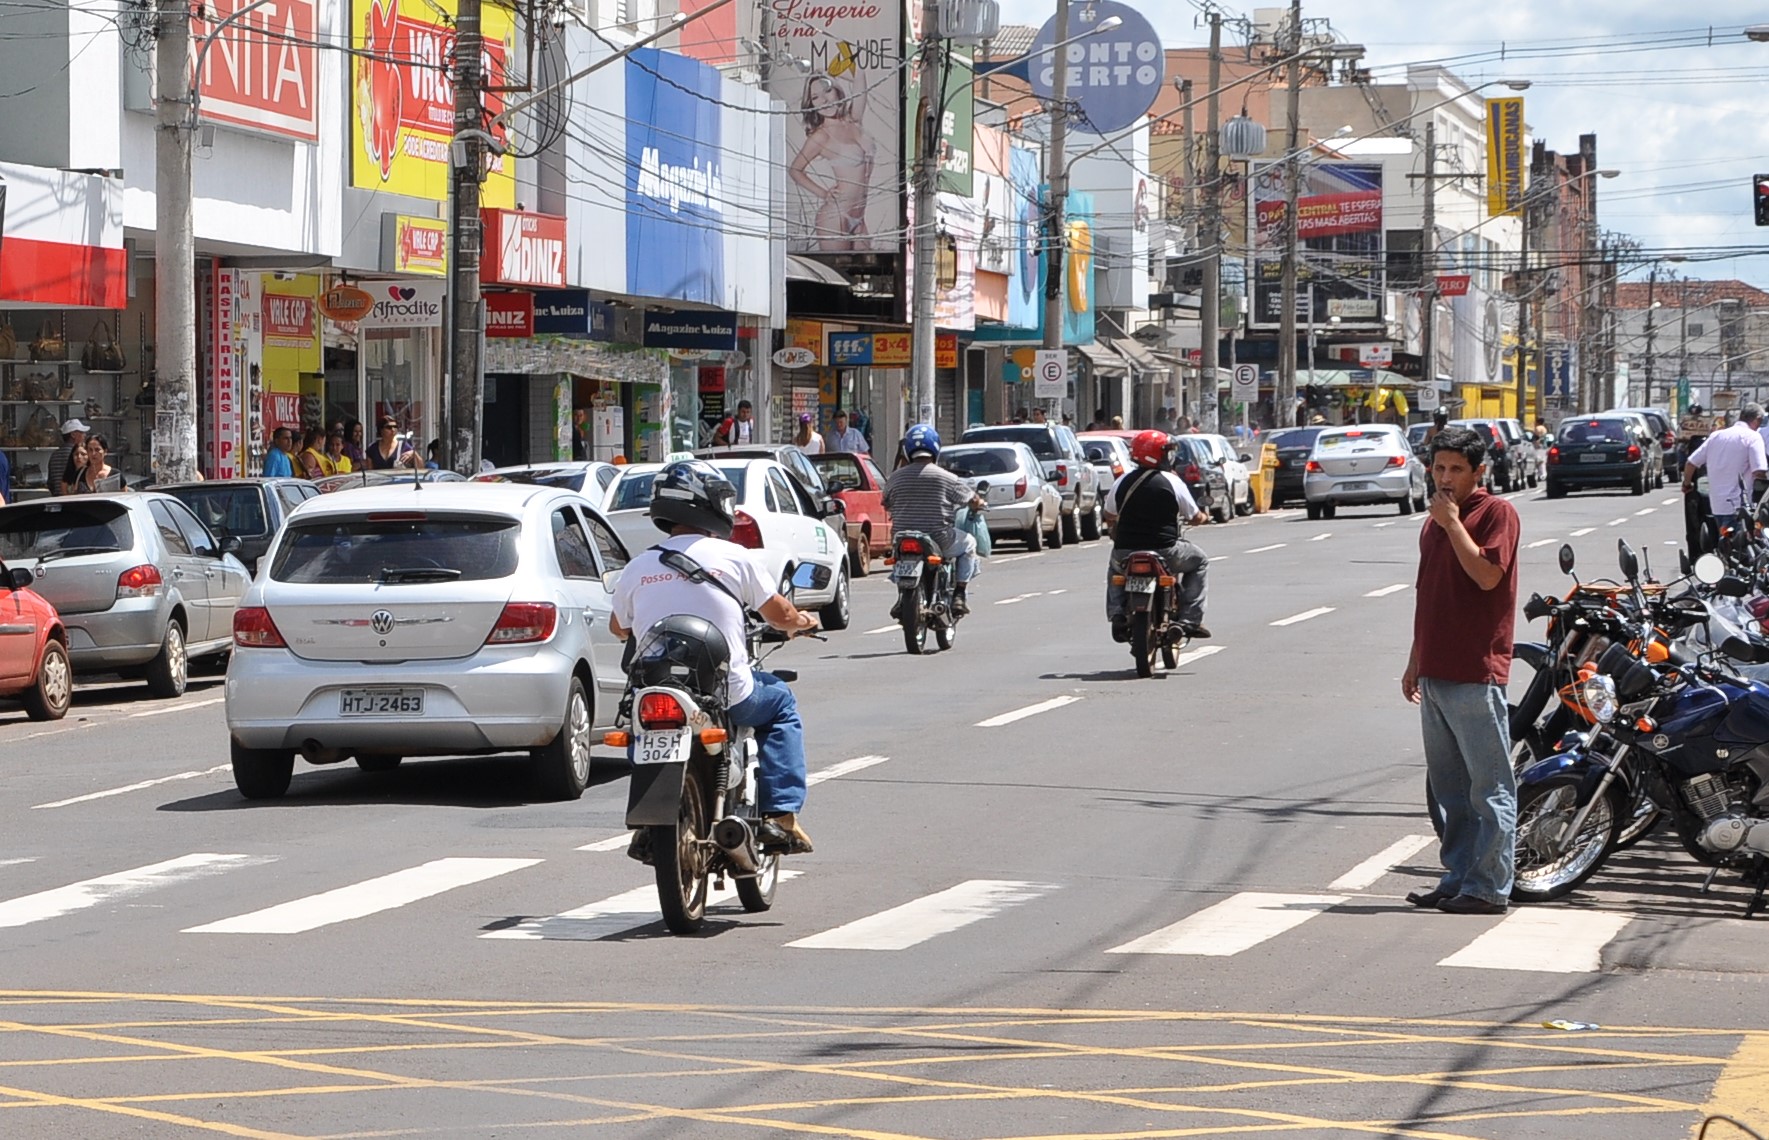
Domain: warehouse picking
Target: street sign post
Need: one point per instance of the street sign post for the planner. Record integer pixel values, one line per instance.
(1245, 389)
(1428, 398)
(1050, 374)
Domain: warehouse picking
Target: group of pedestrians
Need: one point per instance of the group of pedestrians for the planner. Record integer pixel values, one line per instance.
(337, 451)
(81, 465)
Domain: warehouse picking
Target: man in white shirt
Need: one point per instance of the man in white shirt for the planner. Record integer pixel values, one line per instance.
(845, 438)
(1735, 459)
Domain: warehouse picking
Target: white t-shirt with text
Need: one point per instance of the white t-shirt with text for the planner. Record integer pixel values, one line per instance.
(649, 591)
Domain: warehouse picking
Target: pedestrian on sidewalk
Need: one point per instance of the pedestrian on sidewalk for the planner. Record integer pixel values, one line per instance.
(1463, 615)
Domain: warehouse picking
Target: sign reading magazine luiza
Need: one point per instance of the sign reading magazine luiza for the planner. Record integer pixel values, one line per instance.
(713, 330)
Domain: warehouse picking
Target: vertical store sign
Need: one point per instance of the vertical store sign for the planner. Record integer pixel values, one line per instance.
(1504, 157)
(262, 71)
(224, 378)
(675, 189)
(402, 109)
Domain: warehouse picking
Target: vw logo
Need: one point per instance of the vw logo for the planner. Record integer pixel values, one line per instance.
(382, 621)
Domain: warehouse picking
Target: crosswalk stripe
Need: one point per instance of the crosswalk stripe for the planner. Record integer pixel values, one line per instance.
(1381, 863)
(358, 900)
(61, 901)
(1547, 941)
(616, 914)
(930, 916)
(1237, 923)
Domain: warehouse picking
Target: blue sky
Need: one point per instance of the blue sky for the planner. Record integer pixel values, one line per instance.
(1681, 117)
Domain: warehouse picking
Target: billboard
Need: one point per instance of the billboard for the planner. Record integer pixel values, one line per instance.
(1504, 157)
(1113, 75)
(1340, 270)
(262, 70)
(675, 188)
(844, 139)
(402, 108)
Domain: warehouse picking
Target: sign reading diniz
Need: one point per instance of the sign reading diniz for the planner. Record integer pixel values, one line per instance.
(523, 249)
(262, 70)
(288, 321)
(345, 303)
(509, 314)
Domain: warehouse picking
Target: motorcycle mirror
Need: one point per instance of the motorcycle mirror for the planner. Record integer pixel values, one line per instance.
(810, 576)
(1709, 568)
(1628, 560)
(1566, 558)
(1683, 563)
(1732, 587)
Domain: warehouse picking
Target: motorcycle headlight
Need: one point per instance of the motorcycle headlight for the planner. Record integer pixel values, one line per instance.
(1598, 695)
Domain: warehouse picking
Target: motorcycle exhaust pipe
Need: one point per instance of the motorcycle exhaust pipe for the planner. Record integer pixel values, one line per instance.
(737, 841)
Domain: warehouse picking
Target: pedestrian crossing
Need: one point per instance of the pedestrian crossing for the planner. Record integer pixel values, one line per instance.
(834, 918)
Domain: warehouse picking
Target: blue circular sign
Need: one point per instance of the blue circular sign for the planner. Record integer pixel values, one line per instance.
(1114, 75)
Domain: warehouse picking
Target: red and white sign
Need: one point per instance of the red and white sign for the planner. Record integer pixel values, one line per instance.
(509, 315)
(1328, 215)
(224, 378)
(1454, 285)
(1375, 355)
(262, 71)
(63, 243)
(289, 322)
(281, 409)
(523, 249)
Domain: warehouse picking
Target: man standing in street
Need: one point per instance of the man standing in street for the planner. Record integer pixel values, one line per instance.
(1734, 457)
(845, 438)
(1463, 615)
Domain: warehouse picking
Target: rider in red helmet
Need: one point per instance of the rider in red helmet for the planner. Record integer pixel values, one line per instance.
(1149, 509)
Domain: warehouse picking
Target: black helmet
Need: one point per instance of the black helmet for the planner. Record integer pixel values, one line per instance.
(1440, 417)
(683, 650)
(693, 494)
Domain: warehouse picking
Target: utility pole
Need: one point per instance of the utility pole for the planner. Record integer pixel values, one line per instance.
(1210, 300)
(1193, 225)
(926, 176)
(465, 380)
(1284, 400)
(175, 318)
(1651, 286)
(1524, 278)
(1428, 260)
(1057, 176)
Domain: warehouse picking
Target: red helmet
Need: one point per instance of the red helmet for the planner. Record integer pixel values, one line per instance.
(1149, 448)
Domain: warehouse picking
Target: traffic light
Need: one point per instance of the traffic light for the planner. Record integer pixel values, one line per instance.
(1760, 197)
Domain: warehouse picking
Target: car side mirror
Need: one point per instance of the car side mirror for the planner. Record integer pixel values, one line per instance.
(834, 507)
(231, 545)
(19, 578)
(810, 576)
(1245, 458)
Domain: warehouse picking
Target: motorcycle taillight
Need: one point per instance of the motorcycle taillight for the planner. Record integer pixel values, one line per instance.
(1143, 567)
(911, 546)
(661, 712)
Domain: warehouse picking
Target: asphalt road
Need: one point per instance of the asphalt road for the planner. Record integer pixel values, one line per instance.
(1048, 899)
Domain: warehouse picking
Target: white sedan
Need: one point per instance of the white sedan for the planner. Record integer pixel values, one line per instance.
(775, 519)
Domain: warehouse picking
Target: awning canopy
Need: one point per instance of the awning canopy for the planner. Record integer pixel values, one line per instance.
(799, 268)
(1104, 361)
(1140, 358)
(1354, 378)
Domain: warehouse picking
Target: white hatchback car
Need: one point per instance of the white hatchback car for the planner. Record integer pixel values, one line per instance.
(438, 620)
(775, 519)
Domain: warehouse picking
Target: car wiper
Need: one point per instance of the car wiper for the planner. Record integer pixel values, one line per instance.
(418, 574)
(69, 551)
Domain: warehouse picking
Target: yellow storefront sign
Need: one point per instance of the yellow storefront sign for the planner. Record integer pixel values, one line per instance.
(1504, 157)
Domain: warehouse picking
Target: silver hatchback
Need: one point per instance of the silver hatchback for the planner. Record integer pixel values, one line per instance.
(1023, 504)
(448, 620)
(141, 585)
(1358, 466)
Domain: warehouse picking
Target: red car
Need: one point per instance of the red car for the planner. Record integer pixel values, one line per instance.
(34, 665)
(855, 480)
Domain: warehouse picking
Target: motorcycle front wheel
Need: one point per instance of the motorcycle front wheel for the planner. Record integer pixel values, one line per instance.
(1543, 870)
(679, 855)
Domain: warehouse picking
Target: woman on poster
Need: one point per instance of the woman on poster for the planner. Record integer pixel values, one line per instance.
(835, 133)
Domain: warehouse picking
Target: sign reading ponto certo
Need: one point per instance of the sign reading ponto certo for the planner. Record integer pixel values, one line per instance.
(795, 357)
(1114, 73)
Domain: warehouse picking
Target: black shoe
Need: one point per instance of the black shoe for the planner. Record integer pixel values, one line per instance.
(1120, 630)
(1468, 904)
(897, 610)
(1428, 900)
(640, 847)
(960, 604)
(1193, 629)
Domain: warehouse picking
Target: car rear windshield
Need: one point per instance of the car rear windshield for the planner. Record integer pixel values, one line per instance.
(46, 530)
(570, 479)
(1593, 431)
(1295, 437)
(397, 546)
(237, 511)
(1041, 440)
(1349, 440)
(974, 464)
(839, 472)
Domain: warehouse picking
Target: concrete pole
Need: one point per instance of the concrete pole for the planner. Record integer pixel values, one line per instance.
(1210, 299)
(1523, 325)
(175, 318)
(926, 178)
(1428, 260)
(1284, 399)
(1189, 170)
(1057, 233)
(1651, 286)
(466, 381)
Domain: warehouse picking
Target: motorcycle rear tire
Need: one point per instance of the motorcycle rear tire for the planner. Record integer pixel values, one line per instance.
(946, 633)
(914, 629)
(757, 894)
(1140, 648)
(681, 878)
(1169, 655)
(1557, 798)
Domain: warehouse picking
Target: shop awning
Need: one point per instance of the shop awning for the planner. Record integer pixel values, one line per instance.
(1103, 361)
(1140, 357)
(1354, 378)
(810, 269)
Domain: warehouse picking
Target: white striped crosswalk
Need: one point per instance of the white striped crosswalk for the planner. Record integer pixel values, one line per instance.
(360, 900)
(927, 917)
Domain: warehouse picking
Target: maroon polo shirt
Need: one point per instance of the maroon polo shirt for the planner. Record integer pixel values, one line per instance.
(1461, 632)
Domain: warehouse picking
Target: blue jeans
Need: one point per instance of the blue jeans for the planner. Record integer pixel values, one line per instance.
(773, 712)
(964, 549)
(1468, 760)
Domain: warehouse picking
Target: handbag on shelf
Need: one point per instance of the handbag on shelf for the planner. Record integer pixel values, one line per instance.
(103, 353)
(49, 345)
(8, 339)
(36, 387)
(40, 430)
(15, 388)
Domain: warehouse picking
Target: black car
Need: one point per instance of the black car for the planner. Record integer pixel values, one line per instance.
(1294, 445)
(1200, 474)
(1595, 451)
(251, 510)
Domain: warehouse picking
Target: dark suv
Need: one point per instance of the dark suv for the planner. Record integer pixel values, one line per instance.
(1504, 467)
(1294, 445)
(1596, 451)
(1202, 477)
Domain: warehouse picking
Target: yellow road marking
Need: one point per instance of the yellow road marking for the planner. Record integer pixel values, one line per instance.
(1742, 1089)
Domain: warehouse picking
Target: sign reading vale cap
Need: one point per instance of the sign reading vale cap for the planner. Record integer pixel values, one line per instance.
(1114, 75)
(690, 329)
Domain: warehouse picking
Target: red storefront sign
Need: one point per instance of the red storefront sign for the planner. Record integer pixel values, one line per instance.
(509, 314)
(288, 321)
(63, 240)
(224, 377)
(262, 71)
(945, 350)
(523, 249)
(1453, 286)
(1328, 215)
(281, 409)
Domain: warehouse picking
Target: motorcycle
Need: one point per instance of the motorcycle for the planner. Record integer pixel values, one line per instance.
(692, 796)
(1150, 610)
(926, 583)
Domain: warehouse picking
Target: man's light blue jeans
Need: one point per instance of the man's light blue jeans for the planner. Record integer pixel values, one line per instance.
(773, 712)
(963, 548)
(1468, 760)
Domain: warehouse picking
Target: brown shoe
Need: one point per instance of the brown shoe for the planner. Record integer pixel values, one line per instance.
(781, 832)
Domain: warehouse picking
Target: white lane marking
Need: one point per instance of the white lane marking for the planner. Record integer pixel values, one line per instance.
(1583, 533)
(1237, 923)
(1263, 549)
(1542, 542)
(1054, 593)
(16, 862)
(58, 731)
(1644, 511)
(927, 917)
(59, 901)
(163, 709)
(616, 914)
(136, 787)
(1387, 590)
(1012, 558)
(1192, 655)
(1220, 558)
(358, 900)
(1323, 534)
(1019, 598)
(1029, 710)
(1391, 522)
(612, 843)
(1381, 863)
(1670, 502)
(1305, 615)
(1548, 941)
(882, 629)
(1617, 522)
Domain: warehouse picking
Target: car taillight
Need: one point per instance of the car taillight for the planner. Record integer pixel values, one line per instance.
(1633, 452)
(1192, 474)
(253, 629)
(912, 546)
(1117, 467)
(746, 531)
(1312, 468)
(661, 711)
(1019, 488)
(1397, 461)
(1062, 474)
(1669, 439)
(139, 582)
(1553, 455)
(523, 621)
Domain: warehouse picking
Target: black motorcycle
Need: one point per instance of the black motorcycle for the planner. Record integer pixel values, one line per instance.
(1151, 602)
